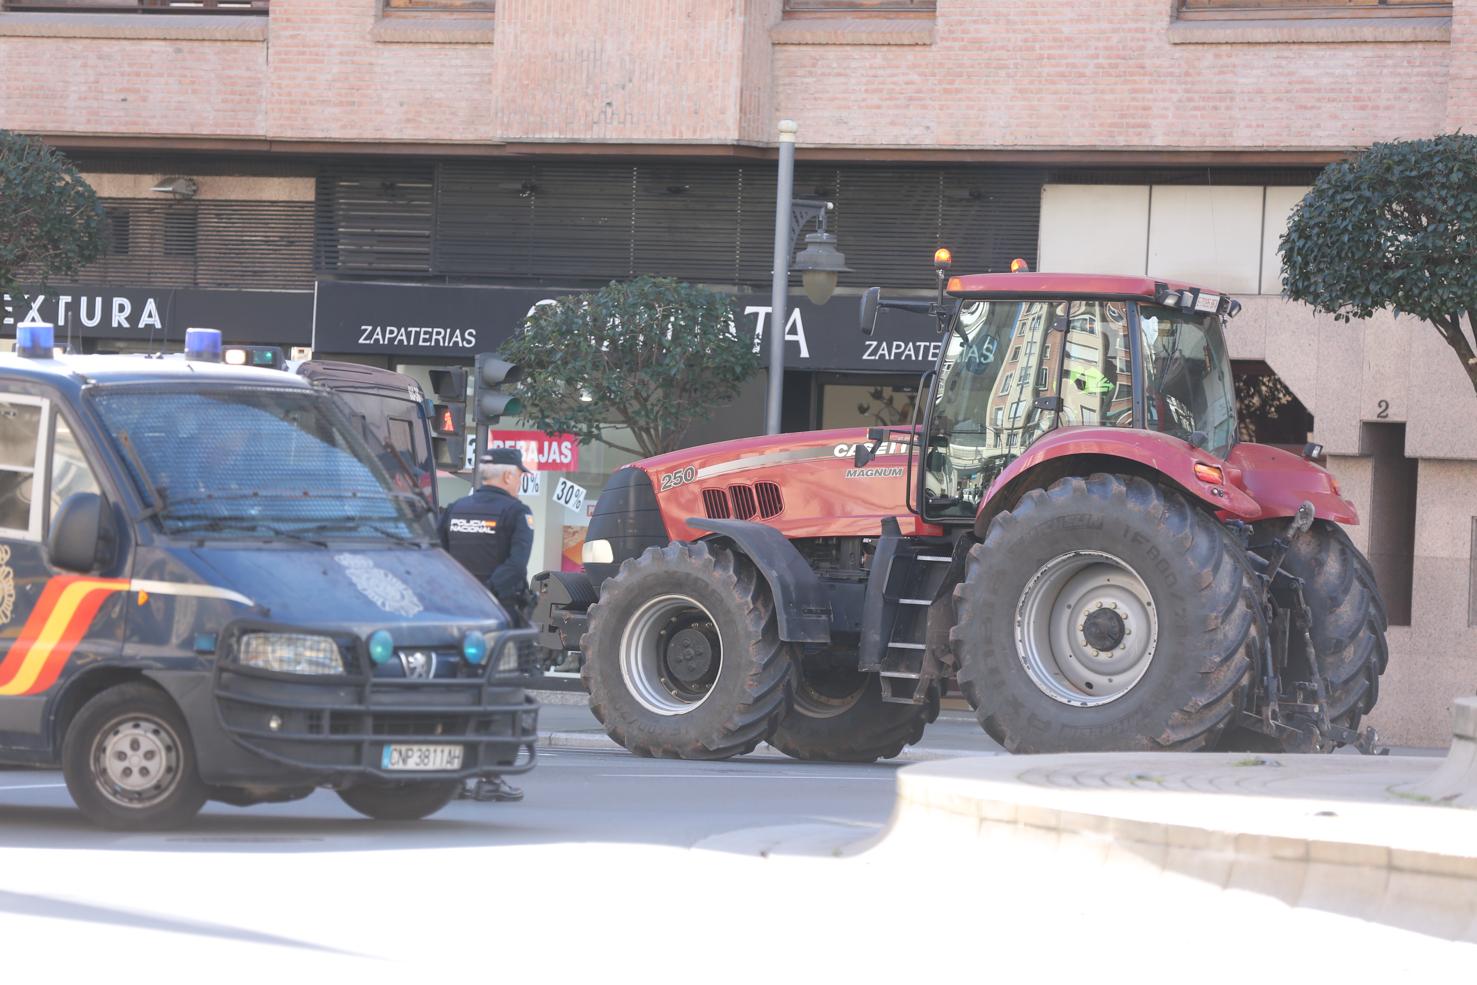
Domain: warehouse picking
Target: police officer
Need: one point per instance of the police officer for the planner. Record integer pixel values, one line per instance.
(490, 532)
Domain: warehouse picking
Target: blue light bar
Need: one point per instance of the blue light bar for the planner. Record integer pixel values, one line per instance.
(203, 344)
(35, 341)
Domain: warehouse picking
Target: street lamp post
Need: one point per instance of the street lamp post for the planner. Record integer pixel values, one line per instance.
(819, 264)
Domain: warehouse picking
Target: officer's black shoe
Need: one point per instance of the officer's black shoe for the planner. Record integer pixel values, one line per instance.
(494, 788)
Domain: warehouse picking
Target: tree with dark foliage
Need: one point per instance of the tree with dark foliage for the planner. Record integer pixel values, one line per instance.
(51, 223)
(1396, 228)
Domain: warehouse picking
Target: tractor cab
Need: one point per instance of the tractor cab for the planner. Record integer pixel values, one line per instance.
(1028, 355)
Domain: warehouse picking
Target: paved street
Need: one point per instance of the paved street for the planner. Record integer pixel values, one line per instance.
(612, 865)
(312, 881)
(571, 796)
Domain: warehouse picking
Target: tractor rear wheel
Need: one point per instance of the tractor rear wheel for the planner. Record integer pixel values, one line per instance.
(1348, 631)
(837, 714)
(683, 655)
(1106, 614)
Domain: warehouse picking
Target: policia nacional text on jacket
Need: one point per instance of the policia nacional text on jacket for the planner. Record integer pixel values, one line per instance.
(490, 531)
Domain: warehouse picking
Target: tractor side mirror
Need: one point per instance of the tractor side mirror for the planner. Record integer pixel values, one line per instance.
(871, 299)
(863, 454)
(83, 536)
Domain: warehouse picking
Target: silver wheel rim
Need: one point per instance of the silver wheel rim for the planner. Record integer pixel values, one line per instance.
(1071, 607)
(136, 761)
(652, 658)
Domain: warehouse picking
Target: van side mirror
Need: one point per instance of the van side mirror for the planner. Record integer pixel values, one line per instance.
(83, 536)
(870, 298)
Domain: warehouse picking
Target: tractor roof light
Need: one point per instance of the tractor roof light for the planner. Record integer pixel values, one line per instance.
(1019, 266)
(943, 258)
(819, 264)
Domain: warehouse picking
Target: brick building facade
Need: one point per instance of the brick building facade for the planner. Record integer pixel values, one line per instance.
(1156, 119)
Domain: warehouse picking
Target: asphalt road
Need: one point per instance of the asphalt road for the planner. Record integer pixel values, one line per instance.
(614, 869)
(599, 836)
(573, 796)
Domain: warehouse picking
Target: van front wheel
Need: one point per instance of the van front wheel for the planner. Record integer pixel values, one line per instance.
(129, 762)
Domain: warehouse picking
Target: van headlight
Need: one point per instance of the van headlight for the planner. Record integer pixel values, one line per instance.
(509, 656)
(290, 653)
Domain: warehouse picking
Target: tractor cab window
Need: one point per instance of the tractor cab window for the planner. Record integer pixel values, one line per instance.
(985, 406)
(1188, 385)
(1012, 372)
(1097, 366)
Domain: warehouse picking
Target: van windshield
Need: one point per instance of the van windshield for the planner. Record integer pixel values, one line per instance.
(235, 461)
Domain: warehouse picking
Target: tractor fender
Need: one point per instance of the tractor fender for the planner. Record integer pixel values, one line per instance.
(801, 603)
(1145, 452)
(1280, 481)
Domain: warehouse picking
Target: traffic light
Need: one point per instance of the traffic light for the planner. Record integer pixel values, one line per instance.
(489, 401)
(449, 415)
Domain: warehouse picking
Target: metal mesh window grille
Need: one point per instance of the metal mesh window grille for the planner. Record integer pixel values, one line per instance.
(152, 243)
(588, 222)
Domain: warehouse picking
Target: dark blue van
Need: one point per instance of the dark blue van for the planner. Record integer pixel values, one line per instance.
(211, 588)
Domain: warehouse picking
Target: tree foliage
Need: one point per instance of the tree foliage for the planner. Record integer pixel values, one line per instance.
(651, 354)
(51, 223)
(1395, 227)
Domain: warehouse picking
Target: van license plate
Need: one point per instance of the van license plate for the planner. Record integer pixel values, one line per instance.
(422, 758)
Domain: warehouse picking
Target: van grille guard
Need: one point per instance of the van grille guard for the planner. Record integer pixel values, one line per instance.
(339, 726)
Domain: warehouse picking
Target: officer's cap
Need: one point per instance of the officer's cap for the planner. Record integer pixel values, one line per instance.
(504, 456)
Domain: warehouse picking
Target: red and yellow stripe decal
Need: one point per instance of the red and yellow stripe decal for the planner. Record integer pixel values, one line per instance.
(61, 618)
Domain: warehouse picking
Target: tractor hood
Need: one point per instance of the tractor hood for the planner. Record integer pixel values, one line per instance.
(804, 485)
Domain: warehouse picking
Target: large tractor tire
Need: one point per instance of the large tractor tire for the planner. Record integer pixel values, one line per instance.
(1106, 614)
(683, 657)
(1348, 632)
(837, 714)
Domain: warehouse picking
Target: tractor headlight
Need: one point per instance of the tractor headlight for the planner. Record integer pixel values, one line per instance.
(290, 653)
(596, 552)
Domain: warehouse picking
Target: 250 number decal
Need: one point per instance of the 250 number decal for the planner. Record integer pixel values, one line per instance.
(679, 478)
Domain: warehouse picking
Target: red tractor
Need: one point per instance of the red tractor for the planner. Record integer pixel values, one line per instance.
(1072, 532)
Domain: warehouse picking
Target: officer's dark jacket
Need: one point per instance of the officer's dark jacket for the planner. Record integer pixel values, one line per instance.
(491, 533)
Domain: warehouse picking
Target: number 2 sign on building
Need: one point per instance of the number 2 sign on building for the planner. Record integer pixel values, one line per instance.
(542, 452)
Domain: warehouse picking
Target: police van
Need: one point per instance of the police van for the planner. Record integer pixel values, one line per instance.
(210, 589)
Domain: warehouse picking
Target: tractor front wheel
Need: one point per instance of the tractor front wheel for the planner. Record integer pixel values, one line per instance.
(1106, 614)
(683, 655)
(837, 714)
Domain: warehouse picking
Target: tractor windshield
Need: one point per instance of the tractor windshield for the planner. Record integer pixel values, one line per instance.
(1013, 371)
(1188, 385)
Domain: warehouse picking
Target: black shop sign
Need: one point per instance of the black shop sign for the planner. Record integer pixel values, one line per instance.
(162, 314)
(435, 322)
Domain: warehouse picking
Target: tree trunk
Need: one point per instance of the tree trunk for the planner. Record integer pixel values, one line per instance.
(1455, 335)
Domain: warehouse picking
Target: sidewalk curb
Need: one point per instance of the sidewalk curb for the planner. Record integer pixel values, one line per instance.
(601, 741)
